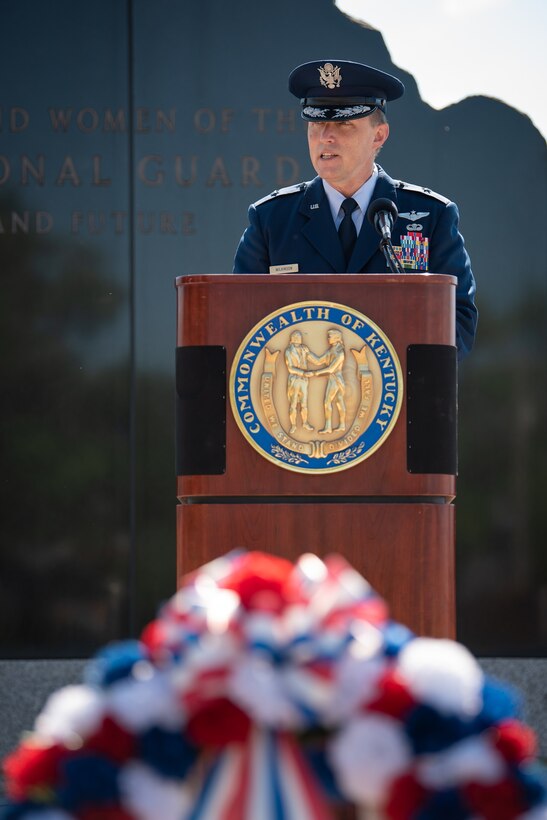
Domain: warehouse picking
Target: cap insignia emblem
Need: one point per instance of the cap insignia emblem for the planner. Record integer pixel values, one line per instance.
(330, 76)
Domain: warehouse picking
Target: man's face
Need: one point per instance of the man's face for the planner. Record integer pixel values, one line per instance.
(343, 153)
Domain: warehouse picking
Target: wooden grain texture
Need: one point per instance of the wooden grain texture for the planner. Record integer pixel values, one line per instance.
(409, 308)
(405, 551)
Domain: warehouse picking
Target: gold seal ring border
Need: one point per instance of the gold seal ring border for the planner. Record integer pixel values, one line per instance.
(315, 303)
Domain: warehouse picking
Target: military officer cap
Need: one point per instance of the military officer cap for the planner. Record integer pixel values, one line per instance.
(342, 90)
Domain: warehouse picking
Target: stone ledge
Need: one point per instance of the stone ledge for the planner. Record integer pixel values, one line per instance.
(25, 686)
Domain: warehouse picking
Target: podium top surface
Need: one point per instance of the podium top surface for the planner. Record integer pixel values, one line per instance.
(340, 278)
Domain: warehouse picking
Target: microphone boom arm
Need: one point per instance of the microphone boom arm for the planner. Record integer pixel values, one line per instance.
(392, 261)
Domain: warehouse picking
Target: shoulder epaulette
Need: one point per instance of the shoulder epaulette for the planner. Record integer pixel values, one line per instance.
(419, 189)
(292, 189)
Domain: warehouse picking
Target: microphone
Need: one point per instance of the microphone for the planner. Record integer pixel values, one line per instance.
(382, 214)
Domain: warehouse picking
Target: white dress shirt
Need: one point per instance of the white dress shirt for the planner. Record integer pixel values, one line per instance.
(362, 197)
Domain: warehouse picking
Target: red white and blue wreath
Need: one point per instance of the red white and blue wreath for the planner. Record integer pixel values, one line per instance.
(267, 690)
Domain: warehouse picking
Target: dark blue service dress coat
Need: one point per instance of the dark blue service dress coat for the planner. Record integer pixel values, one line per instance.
(294, 226)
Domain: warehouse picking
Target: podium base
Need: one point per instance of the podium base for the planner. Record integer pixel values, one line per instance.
(404, 550)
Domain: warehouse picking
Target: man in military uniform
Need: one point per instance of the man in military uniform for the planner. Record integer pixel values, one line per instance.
(321, 227)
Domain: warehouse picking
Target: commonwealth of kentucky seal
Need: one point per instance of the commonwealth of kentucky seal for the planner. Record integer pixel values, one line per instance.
(316, 387)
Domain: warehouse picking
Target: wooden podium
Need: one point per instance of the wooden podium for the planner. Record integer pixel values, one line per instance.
(391, 515)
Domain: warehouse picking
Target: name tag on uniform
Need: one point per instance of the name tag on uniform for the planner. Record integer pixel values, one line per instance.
(284, 268)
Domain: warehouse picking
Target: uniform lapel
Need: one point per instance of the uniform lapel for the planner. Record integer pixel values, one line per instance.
(319, 227)
(368, 240)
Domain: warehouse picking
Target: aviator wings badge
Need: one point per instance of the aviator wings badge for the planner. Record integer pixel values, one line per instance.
(414, 216)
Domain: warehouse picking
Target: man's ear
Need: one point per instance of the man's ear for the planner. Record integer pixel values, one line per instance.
(381, 135)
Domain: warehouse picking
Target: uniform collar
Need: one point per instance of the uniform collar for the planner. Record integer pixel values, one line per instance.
(362, 196)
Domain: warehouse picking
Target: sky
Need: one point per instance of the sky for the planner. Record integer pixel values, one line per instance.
(459, 48)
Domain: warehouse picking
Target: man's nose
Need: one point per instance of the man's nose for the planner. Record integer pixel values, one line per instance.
(327, 132)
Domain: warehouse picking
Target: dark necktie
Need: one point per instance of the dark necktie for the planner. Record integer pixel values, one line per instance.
(347, 231)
